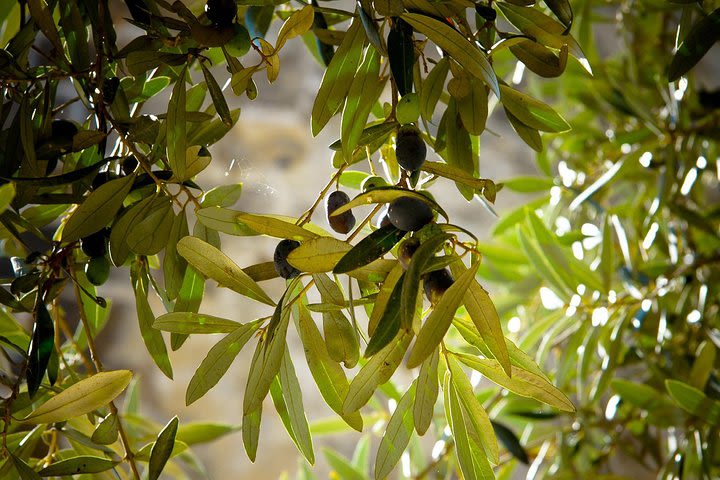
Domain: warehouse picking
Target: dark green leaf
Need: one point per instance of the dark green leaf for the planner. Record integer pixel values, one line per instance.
(369, 248)
(696, 44)
(41, 346)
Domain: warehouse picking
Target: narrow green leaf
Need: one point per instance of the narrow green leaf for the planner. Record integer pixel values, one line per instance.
(432, 88)
(41, 346)
(106, 432)
(214, 264)
(43, 17)
(511, 442)
(200, 432)
(251, 432)
(176, 128)
(388, 324)
(370, 248)
(383, 297)
(162, 449)
(532, 112)
(342, 468)
(484, 315)
(375, 372)
(479, 422)
(530, 136)
(218, 360)
(522, 382)
(460, 48)
(456, 174)
(338, 77)
(328, 374)
(82, 397)
(173, 264)
(397, 435)
(562, 10)
(411, 282)
(189, 322)
(363, 92)
(470, 454)
(78, 465)
(701, 37)
(217, 96)
(293, 399)
(694, 401)
(23, 469)
(274, 227)
(266, 360)
(427, 393)
(153, 339)
(544, 29)
(703, 365)
(340, 336)
(98, 209)
(151, 234)
(438, 322)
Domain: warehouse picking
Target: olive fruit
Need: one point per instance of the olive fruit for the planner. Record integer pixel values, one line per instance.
(221, 12)
(410, 149)
(63, 129)
(282, 266)
(486, 12)
(343, 222)
(102, 178)
(110, 87)
(409, 214)
(97, 270)
(129, 164)
(95, 244)
(372, 182)
(406, 250)
(435, 283)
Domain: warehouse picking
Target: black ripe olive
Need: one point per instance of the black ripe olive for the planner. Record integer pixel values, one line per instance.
(435, 283)
(110, 86)
(343, 222)
(282, 266)
(63, 129)
(221, 12)
(95, 244)
(410, 148)
(102, 178)
(486, 12)
(409, 214)
(129, 164)
(97, 270)
(406, 250)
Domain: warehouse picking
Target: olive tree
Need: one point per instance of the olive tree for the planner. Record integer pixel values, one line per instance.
(599, 346)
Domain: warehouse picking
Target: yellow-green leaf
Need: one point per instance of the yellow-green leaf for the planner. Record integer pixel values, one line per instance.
(82, 397)
(319, 254)
(296, 24)
(532, 112)
(274, 227)
(214, 264)
(522, 382)
(189, 322)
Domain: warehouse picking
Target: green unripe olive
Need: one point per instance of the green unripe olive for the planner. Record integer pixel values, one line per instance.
(240, 42)
(129, 164)
(372, 182)
(410, 148)
(409, 214)
(221, 13)
(406, 250)
(408, 108)
(435, 283)
(95, 244)
(102, 178)
(343, 222)
(97, 270)
(282, 266)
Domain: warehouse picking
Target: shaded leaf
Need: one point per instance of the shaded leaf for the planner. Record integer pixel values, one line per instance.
(162, 449)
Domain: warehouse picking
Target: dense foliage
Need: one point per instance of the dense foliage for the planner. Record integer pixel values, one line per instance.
(599, 349)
